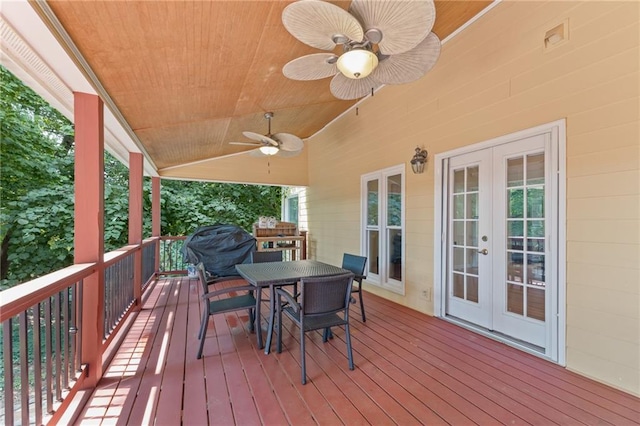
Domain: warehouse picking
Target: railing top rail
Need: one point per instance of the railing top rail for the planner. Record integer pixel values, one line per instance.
(115, 255)
(21, 297)
(173, 237)
(149, 241)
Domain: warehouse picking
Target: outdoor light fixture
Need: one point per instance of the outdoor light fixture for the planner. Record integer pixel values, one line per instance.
(269, 150)
(419, 160)
(357, 63)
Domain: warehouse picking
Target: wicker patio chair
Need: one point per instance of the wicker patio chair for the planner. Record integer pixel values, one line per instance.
(323, 303)
(356, 264)
(215, 304)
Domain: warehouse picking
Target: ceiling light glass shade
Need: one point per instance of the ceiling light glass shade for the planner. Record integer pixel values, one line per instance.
(357, 63)
(269, 150)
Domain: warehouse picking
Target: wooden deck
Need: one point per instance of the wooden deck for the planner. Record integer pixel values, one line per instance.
(410, 369)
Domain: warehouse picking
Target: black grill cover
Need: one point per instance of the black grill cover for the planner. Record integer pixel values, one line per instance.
(219, 247)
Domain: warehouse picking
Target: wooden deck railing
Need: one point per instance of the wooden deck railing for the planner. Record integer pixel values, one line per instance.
(41, 362)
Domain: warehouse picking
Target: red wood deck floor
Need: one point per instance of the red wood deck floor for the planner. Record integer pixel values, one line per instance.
(410, 369)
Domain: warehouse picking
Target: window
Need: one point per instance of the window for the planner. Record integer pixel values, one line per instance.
(291, 209)
(383, 219)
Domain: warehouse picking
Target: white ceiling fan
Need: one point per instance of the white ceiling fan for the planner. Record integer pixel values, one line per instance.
(383, 42)
(281, 144)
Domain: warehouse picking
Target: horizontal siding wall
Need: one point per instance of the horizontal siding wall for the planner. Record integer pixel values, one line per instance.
(492, 79)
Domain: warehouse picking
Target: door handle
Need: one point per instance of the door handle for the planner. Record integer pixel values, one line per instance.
(484, 251)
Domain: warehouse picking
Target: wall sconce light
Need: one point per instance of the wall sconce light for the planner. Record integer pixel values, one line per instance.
(419, 160)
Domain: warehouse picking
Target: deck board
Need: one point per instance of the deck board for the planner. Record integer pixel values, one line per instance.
(410, 369)
(555, 389)
(195, 391)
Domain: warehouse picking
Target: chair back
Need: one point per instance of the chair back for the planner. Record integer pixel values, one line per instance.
(321, 295)
(266, 256)
(202, 276)
(355, 264)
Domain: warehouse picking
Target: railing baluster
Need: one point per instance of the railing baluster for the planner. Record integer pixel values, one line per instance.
(108, 301)
(73, 330)
(7, 346)
(77, 304)
(65, 334)
(37, 364)
(57, 347)
(24, 368)
(48, 317)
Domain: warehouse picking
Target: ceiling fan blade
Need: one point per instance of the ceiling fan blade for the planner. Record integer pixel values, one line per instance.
(311, 67)
(403, 24)
(288, 154)
(348, 88)
(245, 143)
(266, 140)
(289, 142)
(409, 66)
(315, 22)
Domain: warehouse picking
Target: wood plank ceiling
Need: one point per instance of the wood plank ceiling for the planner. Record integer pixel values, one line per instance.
(189, 76)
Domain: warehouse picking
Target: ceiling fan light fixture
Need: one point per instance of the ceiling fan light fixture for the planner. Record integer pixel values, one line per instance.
(357, 63)
(269, 150)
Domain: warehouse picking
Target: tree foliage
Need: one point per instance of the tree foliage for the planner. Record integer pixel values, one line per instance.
(36, 192)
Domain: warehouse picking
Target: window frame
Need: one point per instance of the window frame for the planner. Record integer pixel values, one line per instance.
(382, 279)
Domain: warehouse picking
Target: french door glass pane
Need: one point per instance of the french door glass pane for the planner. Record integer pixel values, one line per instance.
(535, 169)
(472, 233)
(458, 206)
(535, 303)
(458, 232)
(473, 178)
(515, 296)
(515, 172)
(535, 202)
(472, 288)
(458, 181)
(515, 203)
(458, 285)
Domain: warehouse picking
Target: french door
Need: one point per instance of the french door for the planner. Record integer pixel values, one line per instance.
(500, 238)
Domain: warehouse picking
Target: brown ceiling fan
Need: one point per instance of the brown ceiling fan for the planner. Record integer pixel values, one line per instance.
(383, 42)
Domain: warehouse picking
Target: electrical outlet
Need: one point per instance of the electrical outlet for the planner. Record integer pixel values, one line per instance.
(426, 294)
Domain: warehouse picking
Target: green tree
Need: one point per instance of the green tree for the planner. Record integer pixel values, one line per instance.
(187, 205)
(36, 192)
(34, 156)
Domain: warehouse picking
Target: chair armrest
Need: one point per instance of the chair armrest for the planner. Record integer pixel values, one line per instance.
(211, 294)
(212, 279)
(289, 298)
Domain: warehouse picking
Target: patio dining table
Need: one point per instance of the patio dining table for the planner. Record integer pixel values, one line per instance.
(271, 274)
